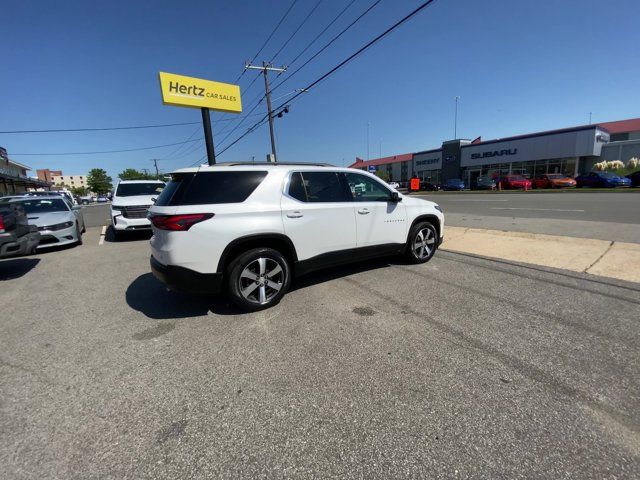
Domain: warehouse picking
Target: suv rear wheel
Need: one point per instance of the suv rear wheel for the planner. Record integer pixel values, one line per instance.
(259, 278)
(422, 243)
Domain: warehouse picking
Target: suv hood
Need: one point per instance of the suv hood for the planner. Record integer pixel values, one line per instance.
(407, 200)
(134, 200)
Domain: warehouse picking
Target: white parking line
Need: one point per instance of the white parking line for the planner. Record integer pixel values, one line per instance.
(474, 200)
(537, 209)
(102, 234)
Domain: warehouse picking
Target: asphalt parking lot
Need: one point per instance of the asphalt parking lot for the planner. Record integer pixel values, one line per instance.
(576, 213)
(460, 368)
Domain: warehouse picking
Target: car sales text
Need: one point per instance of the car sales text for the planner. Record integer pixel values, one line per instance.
(196, 91)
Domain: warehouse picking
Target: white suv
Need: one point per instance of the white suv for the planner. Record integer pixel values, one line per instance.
(250, 228)
(130, 204)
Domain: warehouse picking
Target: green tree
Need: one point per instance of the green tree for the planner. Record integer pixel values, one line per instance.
(383, 175)
(79, 191)
(133, 174)
(98, 181)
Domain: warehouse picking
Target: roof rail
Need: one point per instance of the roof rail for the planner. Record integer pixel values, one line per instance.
(233, 164)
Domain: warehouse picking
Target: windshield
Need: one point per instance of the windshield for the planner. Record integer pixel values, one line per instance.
(608, 175)
(133, 189)
(555, 176)
(515, 177)
(454, 180)
(46, 205)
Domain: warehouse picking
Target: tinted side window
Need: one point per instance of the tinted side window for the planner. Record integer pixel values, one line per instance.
(365, 189)
(296, 187)
(210, 188)
(323, 187)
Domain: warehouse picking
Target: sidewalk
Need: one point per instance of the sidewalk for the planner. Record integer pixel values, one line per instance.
(598, 257)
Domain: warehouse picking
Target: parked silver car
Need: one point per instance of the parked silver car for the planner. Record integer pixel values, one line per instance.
(58, 222)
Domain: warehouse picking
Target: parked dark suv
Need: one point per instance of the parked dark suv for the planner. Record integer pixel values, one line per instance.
(17, 237)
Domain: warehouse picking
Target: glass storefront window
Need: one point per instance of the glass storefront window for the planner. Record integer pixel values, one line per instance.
(569, 166)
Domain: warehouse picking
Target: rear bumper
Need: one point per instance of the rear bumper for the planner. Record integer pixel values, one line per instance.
(185, 280)
(19, 246)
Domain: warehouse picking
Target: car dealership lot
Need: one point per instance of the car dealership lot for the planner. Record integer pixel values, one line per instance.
(462, 366)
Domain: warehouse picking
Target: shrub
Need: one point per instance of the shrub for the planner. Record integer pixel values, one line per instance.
(633, 163)
(600, 166)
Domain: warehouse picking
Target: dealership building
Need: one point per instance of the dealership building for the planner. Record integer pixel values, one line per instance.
(571, 151)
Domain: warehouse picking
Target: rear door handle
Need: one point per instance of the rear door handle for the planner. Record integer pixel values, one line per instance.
(363, 211)
(295, 214)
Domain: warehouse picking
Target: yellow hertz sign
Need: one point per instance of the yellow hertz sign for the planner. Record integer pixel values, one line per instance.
(195, 92)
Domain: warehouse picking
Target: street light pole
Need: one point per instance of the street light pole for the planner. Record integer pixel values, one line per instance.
(455, 121)
(368, 125)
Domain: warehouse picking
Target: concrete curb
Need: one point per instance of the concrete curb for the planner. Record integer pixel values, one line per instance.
(599, 257)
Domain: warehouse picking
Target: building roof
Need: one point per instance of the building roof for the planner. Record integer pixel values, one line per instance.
(622, 126)
(405, 157)
(17, 164)
(536, 134)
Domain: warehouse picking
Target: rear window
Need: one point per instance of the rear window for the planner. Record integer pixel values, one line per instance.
(45, 205)
(203, 188)
(133, 189)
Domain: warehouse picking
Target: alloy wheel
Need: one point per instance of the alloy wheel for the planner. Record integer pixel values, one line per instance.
(424, 243)
(261, 280)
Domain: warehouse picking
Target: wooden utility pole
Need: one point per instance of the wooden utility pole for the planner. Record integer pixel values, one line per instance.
(266, 67)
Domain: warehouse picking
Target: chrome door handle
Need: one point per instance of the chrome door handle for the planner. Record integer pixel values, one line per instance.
(363, 211)
(294, 214)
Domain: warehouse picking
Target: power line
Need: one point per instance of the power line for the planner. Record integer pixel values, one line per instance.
(295, 31)
(134, 127)
(359, 51)
(182, 144)
(272, 59)
(268, 38)
(58, 130)
(329, 43)
(108, 151)
(334, 69)
(322, 32)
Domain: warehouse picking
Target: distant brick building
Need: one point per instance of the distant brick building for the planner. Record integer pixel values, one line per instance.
(47, 175)
(71, 181)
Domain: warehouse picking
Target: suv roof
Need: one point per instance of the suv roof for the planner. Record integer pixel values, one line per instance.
(257, 165)
(140, 181)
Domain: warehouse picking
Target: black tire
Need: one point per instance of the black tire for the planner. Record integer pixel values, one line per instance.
(427, 251)
(116, 234)
(248, 262)
(79, 233)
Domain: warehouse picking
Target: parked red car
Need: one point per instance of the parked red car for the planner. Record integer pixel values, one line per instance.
(515, 182)
(553, 180)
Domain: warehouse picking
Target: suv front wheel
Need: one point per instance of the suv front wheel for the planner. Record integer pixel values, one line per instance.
(422, 243)
(259, 278)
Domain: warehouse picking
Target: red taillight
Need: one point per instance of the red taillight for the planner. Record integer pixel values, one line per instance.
(178, 223)
(1, 224)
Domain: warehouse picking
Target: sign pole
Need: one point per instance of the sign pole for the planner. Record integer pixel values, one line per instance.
(208, 135)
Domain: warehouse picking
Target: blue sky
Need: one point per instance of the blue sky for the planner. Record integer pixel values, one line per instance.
(518, 67)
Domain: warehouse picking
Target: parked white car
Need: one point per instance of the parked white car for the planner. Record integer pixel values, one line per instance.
(130, 203)
(394, 185)
(58, 221)
(250, 228)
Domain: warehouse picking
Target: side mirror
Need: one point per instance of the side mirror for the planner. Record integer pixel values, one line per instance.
(77, 207)
(395, 197)
(154, 200)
